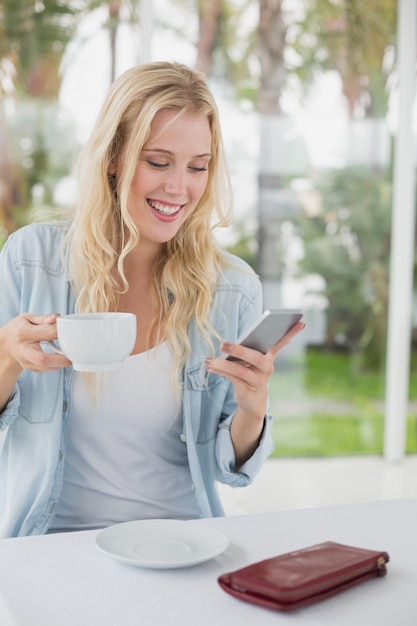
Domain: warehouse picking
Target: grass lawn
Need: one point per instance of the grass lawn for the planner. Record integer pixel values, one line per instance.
(324, 406)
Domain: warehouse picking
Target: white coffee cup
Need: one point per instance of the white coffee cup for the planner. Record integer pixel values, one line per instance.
(95, 342)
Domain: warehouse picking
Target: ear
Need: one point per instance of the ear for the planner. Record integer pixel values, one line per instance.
(111, 177)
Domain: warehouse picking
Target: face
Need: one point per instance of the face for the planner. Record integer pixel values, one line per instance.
(171, 175)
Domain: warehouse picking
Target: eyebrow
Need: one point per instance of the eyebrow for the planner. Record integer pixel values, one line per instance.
(162, 151)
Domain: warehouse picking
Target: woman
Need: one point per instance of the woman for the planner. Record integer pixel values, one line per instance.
(152, 439)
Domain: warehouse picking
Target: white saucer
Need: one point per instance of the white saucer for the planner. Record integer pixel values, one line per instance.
(161, 543)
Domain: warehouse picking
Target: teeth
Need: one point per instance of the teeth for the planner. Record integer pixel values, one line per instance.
(163, 208)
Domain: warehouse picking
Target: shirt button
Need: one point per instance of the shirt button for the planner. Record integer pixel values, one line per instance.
(183, 437)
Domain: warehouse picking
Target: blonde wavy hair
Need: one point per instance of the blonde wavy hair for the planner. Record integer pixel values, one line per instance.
(102, 232)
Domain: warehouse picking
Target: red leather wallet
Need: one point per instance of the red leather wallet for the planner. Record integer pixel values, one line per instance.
(298, 578)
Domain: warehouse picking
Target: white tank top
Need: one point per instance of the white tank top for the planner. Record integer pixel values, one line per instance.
(125, 457)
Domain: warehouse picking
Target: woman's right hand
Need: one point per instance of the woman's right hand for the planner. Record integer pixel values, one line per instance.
(20, 345)
(20, 349)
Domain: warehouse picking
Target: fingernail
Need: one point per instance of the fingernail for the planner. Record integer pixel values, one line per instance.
(207, 362)
(226, 347)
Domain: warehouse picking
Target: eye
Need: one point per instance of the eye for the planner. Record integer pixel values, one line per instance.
(198, 169)
(157, 165)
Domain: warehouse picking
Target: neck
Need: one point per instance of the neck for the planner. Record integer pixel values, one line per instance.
(140, 261)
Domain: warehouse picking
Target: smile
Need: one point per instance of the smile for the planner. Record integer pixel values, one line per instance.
(165, 209)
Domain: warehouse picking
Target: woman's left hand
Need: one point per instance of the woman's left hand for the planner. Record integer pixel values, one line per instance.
(249, 376)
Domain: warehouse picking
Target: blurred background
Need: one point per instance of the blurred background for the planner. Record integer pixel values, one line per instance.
(315, 121)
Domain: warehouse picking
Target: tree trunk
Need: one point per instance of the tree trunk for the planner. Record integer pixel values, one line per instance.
(272, 32)
(114, 18)
(271, 56)
(208, 25)
(7, 183)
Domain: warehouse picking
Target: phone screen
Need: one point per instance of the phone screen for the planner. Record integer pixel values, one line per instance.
(269, 329)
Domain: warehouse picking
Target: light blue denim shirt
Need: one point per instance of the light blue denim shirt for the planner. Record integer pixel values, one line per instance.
(34, 422)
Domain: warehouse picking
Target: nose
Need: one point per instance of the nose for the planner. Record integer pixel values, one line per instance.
(175, 182)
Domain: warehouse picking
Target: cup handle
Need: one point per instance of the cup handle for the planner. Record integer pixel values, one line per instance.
(55, 347)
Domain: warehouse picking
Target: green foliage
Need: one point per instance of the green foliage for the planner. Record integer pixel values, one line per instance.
(332, 375)
(33, 35)
(335, 375)
(235, 45)
(41, 148)
(347, 243)
(245, 245)
(36, 140)
(335, 435)
(325, 407)
(352, 38)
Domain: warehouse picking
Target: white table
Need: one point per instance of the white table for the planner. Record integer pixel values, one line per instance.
(64, 580)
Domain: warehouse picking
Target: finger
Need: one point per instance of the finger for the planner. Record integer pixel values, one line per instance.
(44, 320)
(39, 320)
(236, 353)
(38, 328)
(239, 372)
(36, 359)
(53, 318)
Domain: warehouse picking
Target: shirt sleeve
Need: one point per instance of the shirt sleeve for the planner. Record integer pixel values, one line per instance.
(225, 456)
(9, 308)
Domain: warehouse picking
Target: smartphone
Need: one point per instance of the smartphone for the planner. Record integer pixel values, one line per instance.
(269, 329)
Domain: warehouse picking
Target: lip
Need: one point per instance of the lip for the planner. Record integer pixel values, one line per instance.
(164, 217)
